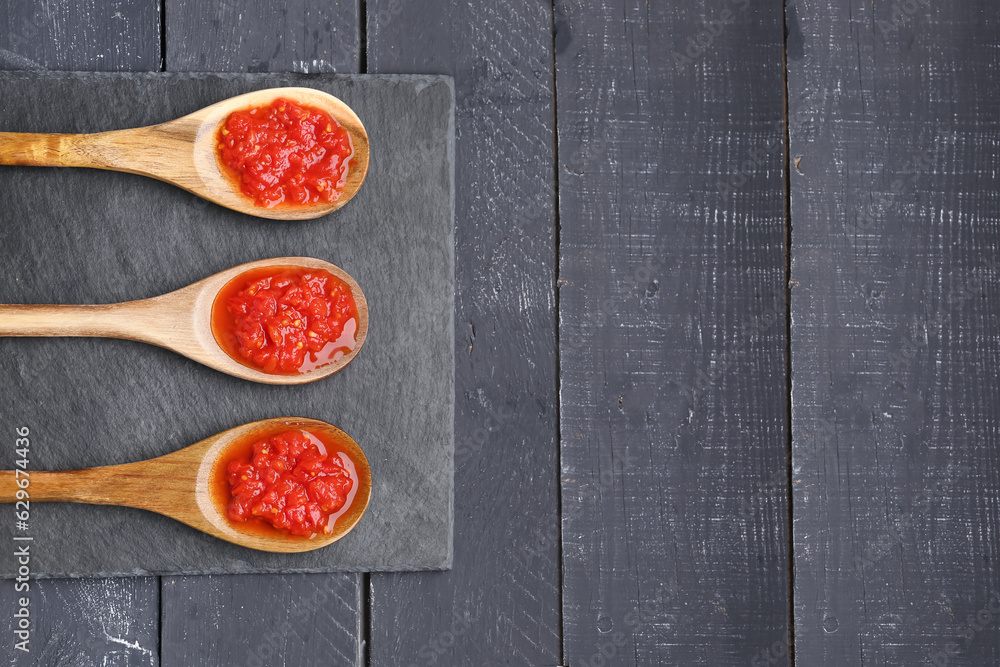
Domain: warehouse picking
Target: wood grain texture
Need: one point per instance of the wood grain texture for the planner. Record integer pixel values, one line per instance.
(310, 620)
(672, 333)
(228, 37)
(85, 622)
(180, 321)
(895, 331)
(183, 485)
(304, 36)
(500, 602)
(183, 152)
(95, 621)
(91, 35)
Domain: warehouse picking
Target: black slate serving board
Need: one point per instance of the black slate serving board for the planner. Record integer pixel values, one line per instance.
(87, 236)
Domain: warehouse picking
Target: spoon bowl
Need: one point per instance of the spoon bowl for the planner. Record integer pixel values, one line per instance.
(183, 152)
(180, 321)
(185, 485)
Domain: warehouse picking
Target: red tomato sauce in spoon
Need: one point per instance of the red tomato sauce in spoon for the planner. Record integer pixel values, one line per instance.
(286, 153)
(285, 320)
(293, 482)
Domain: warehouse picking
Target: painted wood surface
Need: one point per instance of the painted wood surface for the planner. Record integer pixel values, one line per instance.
(84, 35)
(500, 602)
(303, 36)
(672, 333)
(97, 621)
(261, 621)
(895, 149)
(84, 622)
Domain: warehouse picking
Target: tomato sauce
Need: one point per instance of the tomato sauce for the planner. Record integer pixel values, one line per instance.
(286, 153)
(294, 483)
(285, 320)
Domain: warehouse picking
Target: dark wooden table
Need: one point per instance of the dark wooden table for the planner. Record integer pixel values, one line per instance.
(728, 324)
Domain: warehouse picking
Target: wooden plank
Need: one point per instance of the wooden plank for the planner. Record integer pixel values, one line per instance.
(305, 619)
(672, 333)
(92, 621)
(286, 614)
(896, 335)
(89, 35)
(500, 603)
(81, 621)
(260, 36)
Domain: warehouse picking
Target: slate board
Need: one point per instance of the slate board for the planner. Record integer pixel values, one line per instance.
(86, 236)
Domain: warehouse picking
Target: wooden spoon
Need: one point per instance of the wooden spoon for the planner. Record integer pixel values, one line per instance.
(180, 321)
(183, 152)
(190, 485)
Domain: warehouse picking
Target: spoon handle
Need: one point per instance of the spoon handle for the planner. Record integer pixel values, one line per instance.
(120, 320)
(57, 150)
(95, 486)
(157, 151)
(147, 485)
